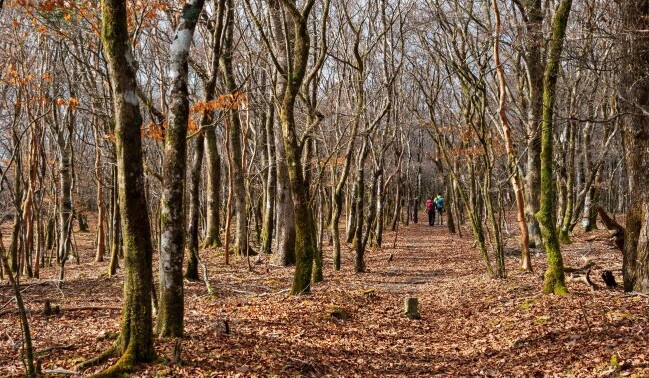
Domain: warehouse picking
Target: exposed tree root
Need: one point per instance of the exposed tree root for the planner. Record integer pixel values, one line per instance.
(108, 353)
(122, 368)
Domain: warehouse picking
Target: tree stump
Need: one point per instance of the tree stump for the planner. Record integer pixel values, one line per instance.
(49, 310)
(609, 278)
(83, 222)
(411, 308)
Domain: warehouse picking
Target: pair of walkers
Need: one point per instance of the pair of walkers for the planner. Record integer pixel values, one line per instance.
(434, 206)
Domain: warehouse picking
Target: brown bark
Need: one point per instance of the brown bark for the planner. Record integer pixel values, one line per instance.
(101, 214)
(237, 168)
(634, 96)
(136, 336)
(516, 181)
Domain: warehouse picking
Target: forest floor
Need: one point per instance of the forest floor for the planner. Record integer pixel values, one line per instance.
(353, 325)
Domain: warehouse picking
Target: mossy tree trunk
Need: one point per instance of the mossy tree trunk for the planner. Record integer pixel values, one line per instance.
(634, 93)
(564, 229)
(554, 274)
(305, 233)
(172, 247)
(136, 337)
(213, 182)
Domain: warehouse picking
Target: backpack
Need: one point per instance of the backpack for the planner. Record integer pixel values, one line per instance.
(429, 205)
(439, 202)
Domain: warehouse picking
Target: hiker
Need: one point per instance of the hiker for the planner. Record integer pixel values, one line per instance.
(430, 210)
(439, 207)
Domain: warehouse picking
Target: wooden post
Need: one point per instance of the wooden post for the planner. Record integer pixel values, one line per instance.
(411, 308)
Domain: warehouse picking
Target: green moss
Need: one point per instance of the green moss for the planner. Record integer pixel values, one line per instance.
(614, 362)
(191, 13)
(338, 312)
(564, 236)
(212, 239)
(101, 358)
(527, 304)
(554, 275)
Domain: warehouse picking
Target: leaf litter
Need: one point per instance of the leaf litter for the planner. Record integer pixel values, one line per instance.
(353, 325)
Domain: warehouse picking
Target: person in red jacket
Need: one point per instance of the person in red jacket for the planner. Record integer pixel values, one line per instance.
(430, 210)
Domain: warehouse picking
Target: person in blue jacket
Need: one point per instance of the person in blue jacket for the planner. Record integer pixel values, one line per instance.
(439, 206)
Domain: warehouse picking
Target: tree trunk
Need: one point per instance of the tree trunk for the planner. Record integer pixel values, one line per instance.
(116, 230)
(236, 148)
(284, 254)
(305, 233)
(213, 222)
(380, 212)
(359, 204)
(213, 184)
(516, 181)
(136, 336)
(66, 212)
(534, 43)
(554, 275)
(337, 197)
(634, 91)
(170, 321)
(101, 213)
(268, 223)
(14, 247)
(191, 272)
(564, 231)
(24, 322)
(28, 206)
(397, 206)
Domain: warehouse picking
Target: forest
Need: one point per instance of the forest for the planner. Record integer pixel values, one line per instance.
(324, 188)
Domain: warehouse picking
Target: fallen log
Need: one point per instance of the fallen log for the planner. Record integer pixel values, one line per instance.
(612, 225)
(581, 276)
(63, 309)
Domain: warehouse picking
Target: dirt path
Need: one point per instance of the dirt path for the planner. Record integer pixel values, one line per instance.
(353, 324)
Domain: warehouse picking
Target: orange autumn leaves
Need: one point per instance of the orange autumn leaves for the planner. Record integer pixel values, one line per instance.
(59, 17)
(71, 102)
(233, 101)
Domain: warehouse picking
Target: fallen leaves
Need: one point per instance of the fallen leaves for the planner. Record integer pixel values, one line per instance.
(353, 324)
